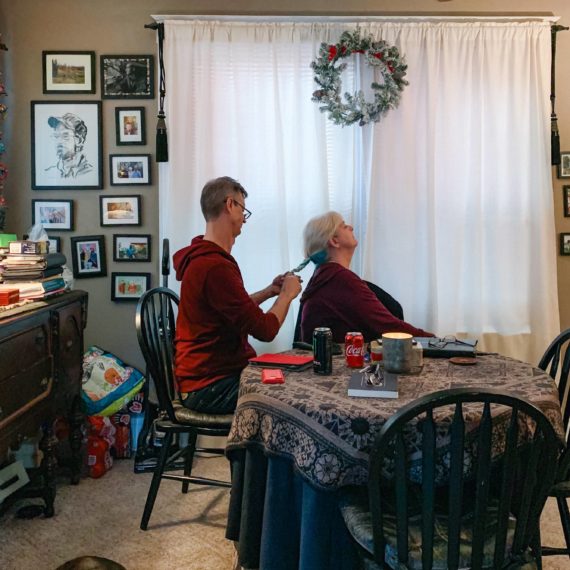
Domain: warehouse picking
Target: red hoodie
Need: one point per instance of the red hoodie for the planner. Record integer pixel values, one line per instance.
(215, 316)
(337, 298)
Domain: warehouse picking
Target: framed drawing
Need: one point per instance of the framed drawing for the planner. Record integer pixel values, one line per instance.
(130, 125)
(53, 214)
(120, 210)
(129, 286)
(127, 77)
(566, 198)
(54, 244)
(66, 145)
(564, 166)
(129, 169)
(564, 244)
(88, 256)
(68, 72)
(131, 247)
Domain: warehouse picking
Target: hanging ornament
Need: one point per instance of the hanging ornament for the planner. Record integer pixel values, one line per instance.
(329, 65)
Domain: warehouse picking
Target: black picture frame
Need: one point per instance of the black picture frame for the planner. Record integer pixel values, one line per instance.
(88, 256)
(77, 125)
(127, 76)
(130, 169)
(130, 126)
(68, 72)
(54, 244)
(128, 286)
(563, 169)
(54, 215)
(120, 210)
(565, 244)
(132, 247)
(566, 201)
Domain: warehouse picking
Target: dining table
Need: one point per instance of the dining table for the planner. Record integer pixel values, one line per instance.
(294, 447)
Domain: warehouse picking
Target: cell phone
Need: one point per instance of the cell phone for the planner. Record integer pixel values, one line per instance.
(272, 376)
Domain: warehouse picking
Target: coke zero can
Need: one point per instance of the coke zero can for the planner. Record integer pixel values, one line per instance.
(354, 349)
(322, 350)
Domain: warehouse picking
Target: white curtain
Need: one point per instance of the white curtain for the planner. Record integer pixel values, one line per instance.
(450, 194)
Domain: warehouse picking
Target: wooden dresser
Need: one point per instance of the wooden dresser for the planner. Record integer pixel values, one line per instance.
(41, 356)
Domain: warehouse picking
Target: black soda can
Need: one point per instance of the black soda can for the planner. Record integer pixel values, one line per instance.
(322, 350)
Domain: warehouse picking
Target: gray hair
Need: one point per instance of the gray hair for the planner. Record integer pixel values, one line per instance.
(319, 231)
(215, 192)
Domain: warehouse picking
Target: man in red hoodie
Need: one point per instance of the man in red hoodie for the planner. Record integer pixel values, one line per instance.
(216, 314)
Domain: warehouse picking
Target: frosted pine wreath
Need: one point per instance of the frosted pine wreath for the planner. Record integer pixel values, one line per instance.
(329, 65)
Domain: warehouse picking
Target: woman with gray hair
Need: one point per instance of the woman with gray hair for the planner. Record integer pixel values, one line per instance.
(335, 296)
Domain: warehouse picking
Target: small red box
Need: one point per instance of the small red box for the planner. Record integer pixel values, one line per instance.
(9, 296)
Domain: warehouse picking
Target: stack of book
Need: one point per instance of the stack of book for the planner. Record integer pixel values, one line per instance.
(36, 275)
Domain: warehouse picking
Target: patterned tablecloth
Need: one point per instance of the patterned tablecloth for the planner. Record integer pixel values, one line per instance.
(312, 421)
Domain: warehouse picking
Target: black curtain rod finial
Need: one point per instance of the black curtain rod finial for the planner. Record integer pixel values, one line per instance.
(153, 26)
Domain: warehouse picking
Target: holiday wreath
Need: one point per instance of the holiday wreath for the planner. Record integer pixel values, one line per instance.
(328, 67)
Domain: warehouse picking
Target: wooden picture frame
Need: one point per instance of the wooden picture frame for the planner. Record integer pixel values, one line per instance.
(54, 215)
(68, 72)
(54, 244)
(563, 169)
(565, 244)
(88, 256)
(131, 247)
(66, 145)
(130, 126)
(120, 210)
(129, 169)
(127, 77)
(128, 286)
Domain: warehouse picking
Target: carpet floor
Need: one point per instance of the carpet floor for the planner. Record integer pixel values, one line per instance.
(101, 517)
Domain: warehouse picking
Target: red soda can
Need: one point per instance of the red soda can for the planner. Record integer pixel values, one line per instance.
(354, 349)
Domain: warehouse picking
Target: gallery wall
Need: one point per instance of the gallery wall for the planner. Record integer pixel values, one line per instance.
(117, 28)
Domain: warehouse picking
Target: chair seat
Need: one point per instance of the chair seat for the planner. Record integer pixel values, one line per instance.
(355, 512)
(560, 490)
(200, 419)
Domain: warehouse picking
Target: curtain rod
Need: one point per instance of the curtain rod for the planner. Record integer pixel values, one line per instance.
(348, 19)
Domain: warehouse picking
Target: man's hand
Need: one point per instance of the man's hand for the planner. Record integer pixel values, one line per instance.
(276, 284)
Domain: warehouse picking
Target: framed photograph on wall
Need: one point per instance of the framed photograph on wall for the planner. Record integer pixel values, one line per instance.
(53, 214)
(54, 244)
(563, 170)
(564, 244)
(66, 145)
(88, 256)
(129, 169)
(127, 77)
(129, 286)
(68, 72)
(128, 247)
(120, 210)
(566, 200)
(130, 125)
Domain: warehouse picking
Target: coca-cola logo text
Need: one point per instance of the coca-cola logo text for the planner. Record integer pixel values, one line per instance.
(352, 350)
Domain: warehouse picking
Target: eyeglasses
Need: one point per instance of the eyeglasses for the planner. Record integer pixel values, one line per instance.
(450, 339)
(246, 212)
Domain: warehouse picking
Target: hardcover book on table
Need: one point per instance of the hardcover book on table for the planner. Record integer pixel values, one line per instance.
(362, 385)
(288, 361)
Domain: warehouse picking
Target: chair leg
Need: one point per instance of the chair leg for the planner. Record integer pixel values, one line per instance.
(565, 519)
(536, 548)
(190, 448)
(156, 478)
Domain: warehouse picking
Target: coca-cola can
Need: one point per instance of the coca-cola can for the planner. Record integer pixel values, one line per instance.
(354, 349)
(322, 350)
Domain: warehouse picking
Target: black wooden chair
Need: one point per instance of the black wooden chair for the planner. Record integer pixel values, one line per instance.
(556, 361)
(155, 324)
(383, 296)
(470, 504)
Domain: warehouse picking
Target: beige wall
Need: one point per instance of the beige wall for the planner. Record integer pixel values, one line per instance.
(116, 27)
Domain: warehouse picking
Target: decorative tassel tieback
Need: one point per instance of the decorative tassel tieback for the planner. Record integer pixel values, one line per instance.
(317, 258)
(161, 139)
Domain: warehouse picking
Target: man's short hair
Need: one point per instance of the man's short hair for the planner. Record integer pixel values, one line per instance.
(215, 192)
(319, 231)
(71, 122)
